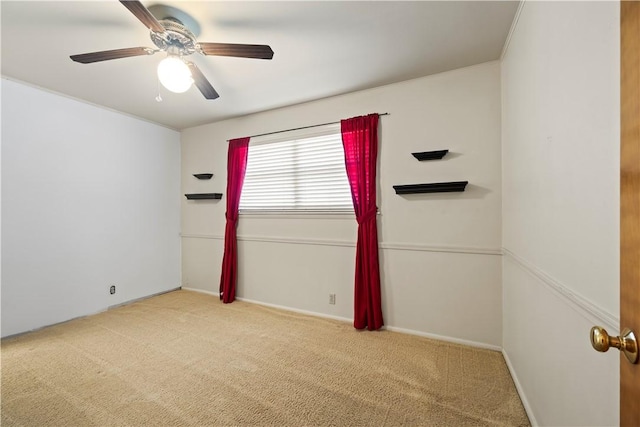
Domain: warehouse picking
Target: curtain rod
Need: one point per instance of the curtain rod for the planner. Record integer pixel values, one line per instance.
(303, 127)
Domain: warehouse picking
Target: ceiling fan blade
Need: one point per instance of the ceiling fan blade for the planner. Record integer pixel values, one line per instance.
(201, 82)
(105, 55)
(257, 51)
(143, 14)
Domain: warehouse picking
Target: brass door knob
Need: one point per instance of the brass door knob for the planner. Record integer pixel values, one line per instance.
(627, 343)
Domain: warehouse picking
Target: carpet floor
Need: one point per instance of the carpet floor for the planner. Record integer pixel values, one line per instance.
(185, 359)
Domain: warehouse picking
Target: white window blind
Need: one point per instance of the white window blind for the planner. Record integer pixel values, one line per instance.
(305, 173)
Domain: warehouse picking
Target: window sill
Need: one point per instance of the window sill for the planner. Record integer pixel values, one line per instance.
(297, 215)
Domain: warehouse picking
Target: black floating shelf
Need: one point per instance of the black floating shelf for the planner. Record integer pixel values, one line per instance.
(204, 196)
(203, 175)
(436, 187)
(430, 155)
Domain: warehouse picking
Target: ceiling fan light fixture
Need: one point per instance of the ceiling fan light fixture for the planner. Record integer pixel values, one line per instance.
(174, 74)
(171, 35)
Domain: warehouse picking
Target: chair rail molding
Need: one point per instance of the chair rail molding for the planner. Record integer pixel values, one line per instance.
(348, 243)
(440, 248)
(580, 304)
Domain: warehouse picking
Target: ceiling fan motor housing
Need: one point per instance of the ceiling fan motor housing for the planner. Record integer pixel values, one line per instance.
(175, 39)
(170, 34)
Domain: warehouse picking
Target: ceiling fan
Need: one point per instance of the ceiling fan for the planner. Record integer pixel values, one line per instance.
(171, 35)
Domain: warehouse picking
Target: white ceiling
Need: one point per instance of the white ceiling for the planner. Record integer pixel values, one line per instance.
(321, 49)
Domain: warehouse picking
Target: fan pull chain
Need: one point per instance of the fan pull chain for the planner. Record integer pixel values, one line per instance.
(158, 98)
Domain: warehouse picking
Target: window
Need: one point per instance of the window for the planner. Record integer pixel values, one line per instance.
(300, 172)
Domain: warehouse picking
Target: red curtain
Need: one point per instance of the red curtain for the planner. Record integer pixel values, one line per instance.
(236, 167)
(360, 142)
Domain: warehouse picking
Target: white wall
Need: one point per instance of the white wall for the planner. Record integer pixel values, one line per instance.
(90, 198)
(441, 269)
(560, 87)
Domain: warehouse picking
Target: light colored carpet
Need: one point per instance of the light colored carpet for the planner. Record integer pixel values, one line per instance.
(186, 359)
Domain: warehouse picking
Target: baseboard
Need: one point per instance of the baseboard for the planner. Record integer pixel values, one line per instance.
(202, 291)
(39, 328)
(89, 314)
(296, 310)
(523, 397)
(347, 320)
(437, 337)
(131, 301)
(280, 307)
(388, 328)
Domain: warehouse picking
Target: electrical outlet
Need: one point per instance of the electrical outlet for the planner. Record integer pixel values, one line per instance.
(112, 289)
(332, 299)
